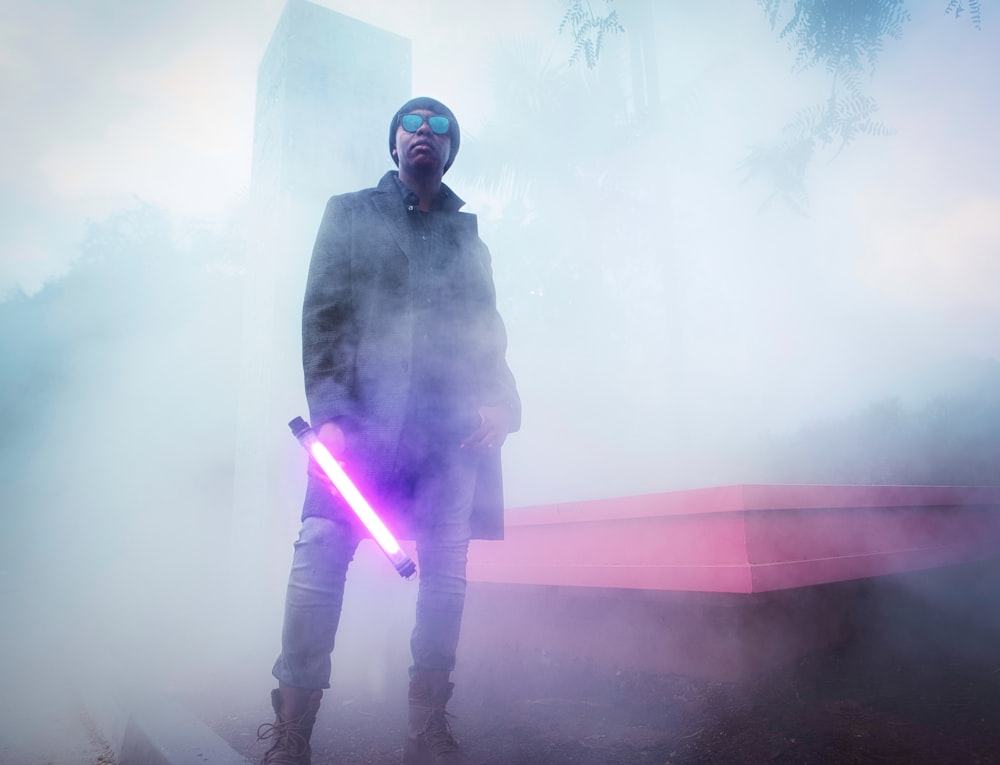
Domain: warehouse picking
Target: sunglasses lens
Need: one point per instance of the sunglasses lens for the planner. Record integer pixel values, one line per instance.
(411, 122)
(438, 124)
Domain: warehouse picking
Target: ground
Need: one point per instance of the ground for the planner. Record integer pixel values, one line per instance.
(926, 701)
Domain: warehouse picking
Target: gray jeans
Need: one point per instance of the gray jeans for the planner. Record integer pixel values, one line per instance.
(441, 500)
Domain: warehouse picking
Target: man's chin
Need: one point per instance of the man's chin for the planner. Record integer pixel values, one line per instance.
(426, 165)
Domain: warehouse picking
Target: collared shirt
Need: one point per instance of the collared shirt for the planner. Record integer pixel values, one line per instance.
(446, 199)
(444, 399)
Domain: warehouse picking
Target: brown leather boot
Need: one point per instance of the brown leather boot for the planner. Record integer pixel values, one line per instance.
(429, 740)
(295, 714)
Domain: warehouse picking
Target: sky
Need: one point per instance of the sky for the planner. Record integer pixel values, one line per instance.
(112, 102)
(878, 290)
(116, 101)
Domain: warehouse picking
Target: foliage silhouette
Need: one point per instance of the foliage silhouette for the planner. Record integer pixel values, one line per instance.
(958, 7)
(845, 36)
(953, 439)
(141, 331)
(588, 30)
(783, 163)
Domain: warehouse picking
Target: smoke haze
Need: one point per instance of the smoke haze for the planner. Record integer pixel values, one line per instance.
(672, 322)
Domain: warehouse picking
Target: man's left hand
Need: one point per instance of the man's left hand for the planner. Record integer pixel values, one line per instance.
(494, 425)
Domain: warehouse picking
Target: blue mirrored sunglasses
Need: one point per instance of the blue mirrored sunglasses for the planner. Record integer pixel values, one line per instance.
(411, 123)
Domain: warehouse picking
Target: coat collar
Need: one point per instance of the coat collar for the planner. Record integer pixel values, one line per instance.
(391, 206)
(446, 200)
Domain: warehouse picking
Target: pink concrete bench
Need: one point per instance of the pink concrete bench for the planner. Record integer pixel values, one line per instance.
(742, 539)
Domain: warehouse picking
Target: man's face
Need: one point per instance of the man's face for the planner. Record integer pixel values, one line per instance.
(422, 151)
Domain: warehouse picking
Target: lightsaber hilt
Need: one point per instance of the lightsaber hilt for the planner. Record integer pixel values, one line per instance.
(345, 486)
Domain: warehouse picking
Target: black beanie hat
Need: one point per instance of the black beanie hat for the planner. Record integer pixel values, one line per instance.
(431, 105)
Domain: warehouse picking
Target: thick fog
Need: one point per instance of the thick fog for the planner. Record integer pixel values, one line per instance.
(697, 292)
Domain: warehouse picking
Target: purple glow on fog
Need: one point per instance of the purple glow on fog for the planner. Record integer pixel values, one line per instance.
(383, 537)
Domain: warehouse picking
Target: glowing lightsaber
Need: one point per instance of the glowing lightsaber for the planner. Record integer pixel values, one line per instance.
(382, 536)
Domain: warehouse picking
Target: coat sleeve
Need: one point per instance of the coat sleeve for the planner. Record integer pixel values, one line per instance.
(500, 388)
(329, 326)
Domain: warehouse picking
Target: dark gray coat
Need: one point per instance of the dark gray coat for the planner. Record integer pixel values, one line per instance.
(357, 338)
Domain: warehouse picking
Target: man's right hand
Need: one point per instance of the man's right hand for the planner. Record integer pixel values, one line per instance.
(332, 437)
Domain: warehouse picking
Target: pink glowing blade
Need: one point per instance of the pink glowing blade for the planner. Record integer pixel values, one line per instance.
(350, 493)
(343, 484)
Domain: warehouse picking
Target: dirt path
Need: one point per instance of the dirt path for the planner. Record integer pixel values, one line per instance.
(864, 703)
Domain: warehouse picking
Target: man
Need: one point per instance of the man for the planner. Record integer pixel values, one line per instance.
(407, 384)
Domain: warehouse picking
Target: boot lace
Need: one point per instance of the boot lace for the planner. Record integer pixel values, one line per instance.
(290, 747)
(437, 734)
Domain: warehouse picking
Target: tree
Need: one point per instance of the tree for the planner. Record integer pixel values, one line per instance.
(952, 440)
(844, 37)
(116, 398)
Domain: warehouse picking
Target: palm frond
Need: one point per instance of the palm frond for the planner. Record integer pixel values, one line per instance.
(958, 7)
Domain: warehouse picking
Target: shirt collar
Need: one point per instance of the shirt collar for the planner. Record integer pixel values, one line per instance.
(446, 199)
